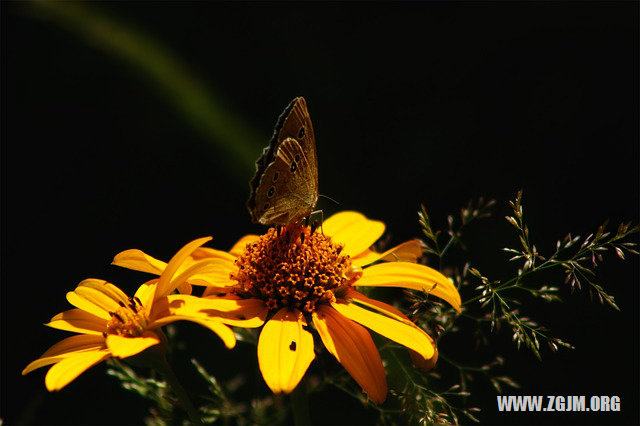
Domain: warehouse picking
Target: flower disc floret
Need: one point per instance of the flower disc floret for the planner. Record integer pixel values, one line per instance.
(293, 267)
(129, 320)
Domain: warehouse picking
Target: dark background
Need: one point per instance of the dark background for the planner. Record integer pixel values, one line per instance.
(436, 103)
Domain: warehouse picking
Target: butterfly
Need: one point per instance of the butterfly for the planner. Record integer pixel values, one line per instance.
(285, 187)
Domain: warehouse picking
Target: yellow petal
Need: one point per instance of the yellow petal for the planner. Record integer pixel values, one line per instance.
(65, 348)
(251, 313)
(145, 293)
(353, 347)
(83, 342)
(217, 274)
(184, 288)
(413, 276)
(106, 288)
(124, 347)
(408, 251)
(97, 297)
(79, 321)
(42, 362)
(208, 272)
(209, 253)
(238, 248)
(410, 336)
(419, 361)
(249, 322)
(388, 310)
(182, 304)
(139, 261)
(69, 368)
(424, 364)
(353, 230)
(247, 313)
(165, 284)
(285, 350)
(224, 332)
(215, 291)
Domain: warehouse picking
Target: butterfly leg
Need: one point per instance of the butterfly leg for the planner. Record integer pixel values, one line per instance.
(314, 225)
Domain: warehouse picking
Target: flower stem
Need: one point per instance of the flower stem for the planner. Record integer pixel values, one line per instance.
(299, 401)
(162, 366)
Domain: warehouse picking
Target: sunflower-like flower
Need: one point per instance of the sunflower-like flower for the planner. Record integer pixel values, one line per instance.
(111, 324)
(297, 277)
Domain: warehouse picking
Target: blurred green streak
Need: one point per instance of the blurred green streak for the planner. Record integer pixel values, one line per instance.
(217, 124)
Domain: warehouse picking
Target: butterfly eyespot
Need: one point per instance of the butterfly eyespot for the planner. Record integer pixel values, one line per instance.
(297, 197)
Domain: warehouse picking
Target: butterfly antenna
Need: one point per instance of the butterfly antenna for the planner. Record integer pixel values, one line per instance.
(329, 198)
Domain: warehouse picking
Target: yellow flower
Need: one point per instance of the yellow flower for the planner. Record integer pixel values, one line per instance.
(305, 278)
(114, 325)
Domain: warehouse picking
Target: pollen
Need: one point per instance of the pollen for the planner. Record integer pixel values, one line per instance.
(129, 320)
(293, 267)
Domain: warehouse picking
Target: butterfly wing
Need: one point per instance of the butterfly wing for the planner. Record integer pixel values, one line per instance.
(285, 188)
(298, 126)
(289, 188)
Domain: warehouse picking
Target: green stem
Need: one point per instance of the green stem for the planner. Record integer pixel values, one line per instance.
(510, 283)
(299, 400)
(161, 365)
(184, 90)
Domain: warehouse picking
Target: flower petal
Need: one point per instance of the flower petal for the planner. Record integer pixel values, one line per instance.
(184, 288)
(408, 251)
(145, 293)
(124, 347)
(71, 367)
(353, 347)
(97, 297)
(83, 342)
(239, 247)
(353, 230)
(165, 284)
(215, 292)
(224, 332)
(253, 321)
(285, 350)
(425, 364)
(207, 272)
(42, 362)
(139, 261)
(407, 335)
(65, 348)
(78, 321)
(388, 310)
(106, 288)
(413, 276)
(182, 304)
(247, 313)
(209, 253)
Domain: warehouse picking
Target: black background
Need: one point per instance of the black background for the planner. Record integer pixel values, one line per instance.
(411, 102)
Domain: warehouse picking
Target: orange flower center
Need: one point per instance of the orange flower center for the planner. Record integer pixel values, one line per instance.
(293, 267)
(129, 320)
